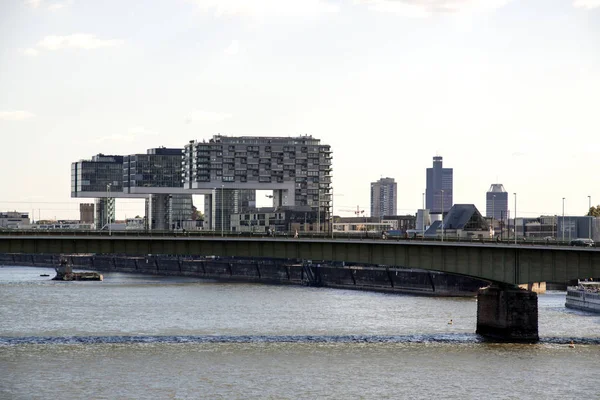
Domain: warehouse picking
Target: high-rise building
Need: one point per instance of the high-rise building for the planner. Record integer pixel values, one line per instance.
(438, 195)
(496, 202)
(226, 170)
(384, 197)
(297, 169)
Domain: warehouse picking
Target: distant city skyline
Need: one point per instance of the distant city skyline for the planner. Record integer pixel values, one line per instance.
(506, 91)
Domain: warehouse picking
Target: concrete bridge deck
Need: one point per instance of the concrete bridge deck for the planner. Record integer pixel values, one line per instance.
(499, 262)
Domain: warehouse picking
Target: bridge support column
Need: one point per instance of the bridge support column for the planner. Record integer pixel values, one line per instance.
(507, 314)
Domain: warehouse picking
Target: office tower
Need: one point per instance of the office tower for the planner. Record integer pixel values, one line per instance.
(384, 197)
(438, 193)
(496, 202)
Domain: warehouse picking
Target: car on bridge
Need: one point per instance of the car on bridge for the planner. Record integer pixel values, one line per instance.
(582, 242)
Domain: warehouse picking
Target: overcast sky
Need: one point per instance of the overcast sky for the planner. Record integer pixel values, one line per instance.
(506, 91)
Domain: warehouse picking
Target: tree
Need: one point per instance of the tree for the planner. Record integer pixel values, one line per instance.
(197, 215)
(594, 211)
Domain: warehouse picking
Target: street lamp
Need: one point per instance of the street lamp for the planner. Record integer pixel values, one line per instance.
(222, 188)
(442, 215)
(589, 219)
(515, 218)
(331, 214)
(563, 219)
(423, 215)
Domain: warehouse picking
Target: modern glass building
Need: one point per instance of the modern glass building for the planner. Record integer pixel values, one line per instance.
(439, 195)
(384, 197)
(97, 177)
(297, 169)
(158, 168)
(496, 202)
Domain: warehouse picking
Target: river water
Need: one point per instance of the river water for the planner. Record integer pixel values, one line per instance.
(135, 336)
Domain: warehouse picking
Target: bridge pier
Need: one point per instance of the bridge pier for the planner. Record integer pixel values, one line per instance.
(507, 314)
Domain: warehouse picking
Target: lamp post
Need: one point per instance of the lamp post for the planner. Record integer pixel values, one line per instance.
(319, 210)
(515, 218)
(423, 216)
(331, 213)
(590, 219)
(563, 219)
(442, 215)
(222, 189)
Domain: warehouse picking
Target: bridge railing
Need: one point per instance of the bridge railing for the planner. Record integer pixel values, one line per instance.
(278, 235)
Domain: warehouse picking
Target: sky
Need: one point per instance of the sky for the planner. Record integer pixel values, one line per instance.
(507, 91)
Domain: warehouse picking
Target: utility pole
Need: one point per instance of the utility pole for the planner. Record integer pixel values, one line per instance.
(442, 215)
(515, 218)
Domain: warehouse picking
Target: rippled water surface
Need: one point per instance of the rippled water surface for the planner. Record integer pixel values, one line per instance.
(134, 336)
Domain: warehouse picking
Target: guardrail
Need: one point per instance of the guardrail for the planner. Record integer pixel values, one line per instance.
(277, 235)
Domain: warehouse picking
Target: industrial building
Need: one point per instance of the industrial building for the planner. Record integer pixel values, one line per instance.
(14, 219)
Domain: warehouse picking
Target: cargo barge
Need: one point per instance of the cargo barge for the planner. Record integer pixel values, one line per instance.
(379, 278)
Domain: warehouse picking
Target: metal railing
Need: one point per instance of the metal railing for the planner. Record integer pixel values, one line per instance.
(280, 235)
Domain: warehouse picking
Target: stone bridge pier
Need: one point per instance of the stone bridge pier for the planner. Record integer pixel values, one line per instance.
(507, 313)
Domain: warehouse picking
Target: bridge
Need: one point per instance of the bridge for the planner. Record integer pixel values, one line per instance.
(503, 310)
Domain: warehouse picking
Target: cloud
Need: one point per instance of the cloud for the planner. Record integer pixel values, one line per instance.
(31, 52)
(131, 135)
(15, 115)
(266, 8)
(56, 6)
(207, 116)
(233, 48)
(586, 3)
(426, 8)
(51, 7)
(77, 41)
(33, 3)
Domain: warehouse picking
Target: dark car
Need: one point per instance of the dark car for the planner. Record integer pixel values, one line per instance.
(582, 242)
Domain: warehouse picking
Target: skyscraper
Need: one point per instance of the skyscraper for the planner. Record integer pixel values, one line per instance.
(384, 197)
(496, 202)
(439, 187)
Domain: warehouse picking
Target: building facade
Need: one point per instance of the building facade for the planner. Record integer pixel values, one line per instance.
(439, 192)
(159, 168)
(297, 169)
(102, 176)
(168, 212)
(384, 197)
(14, 219)
(86, 213)
(276, 219)
(496, 202)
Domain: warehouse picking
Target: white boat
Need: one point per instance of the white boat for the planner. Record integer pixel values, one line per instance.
(585, 296)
